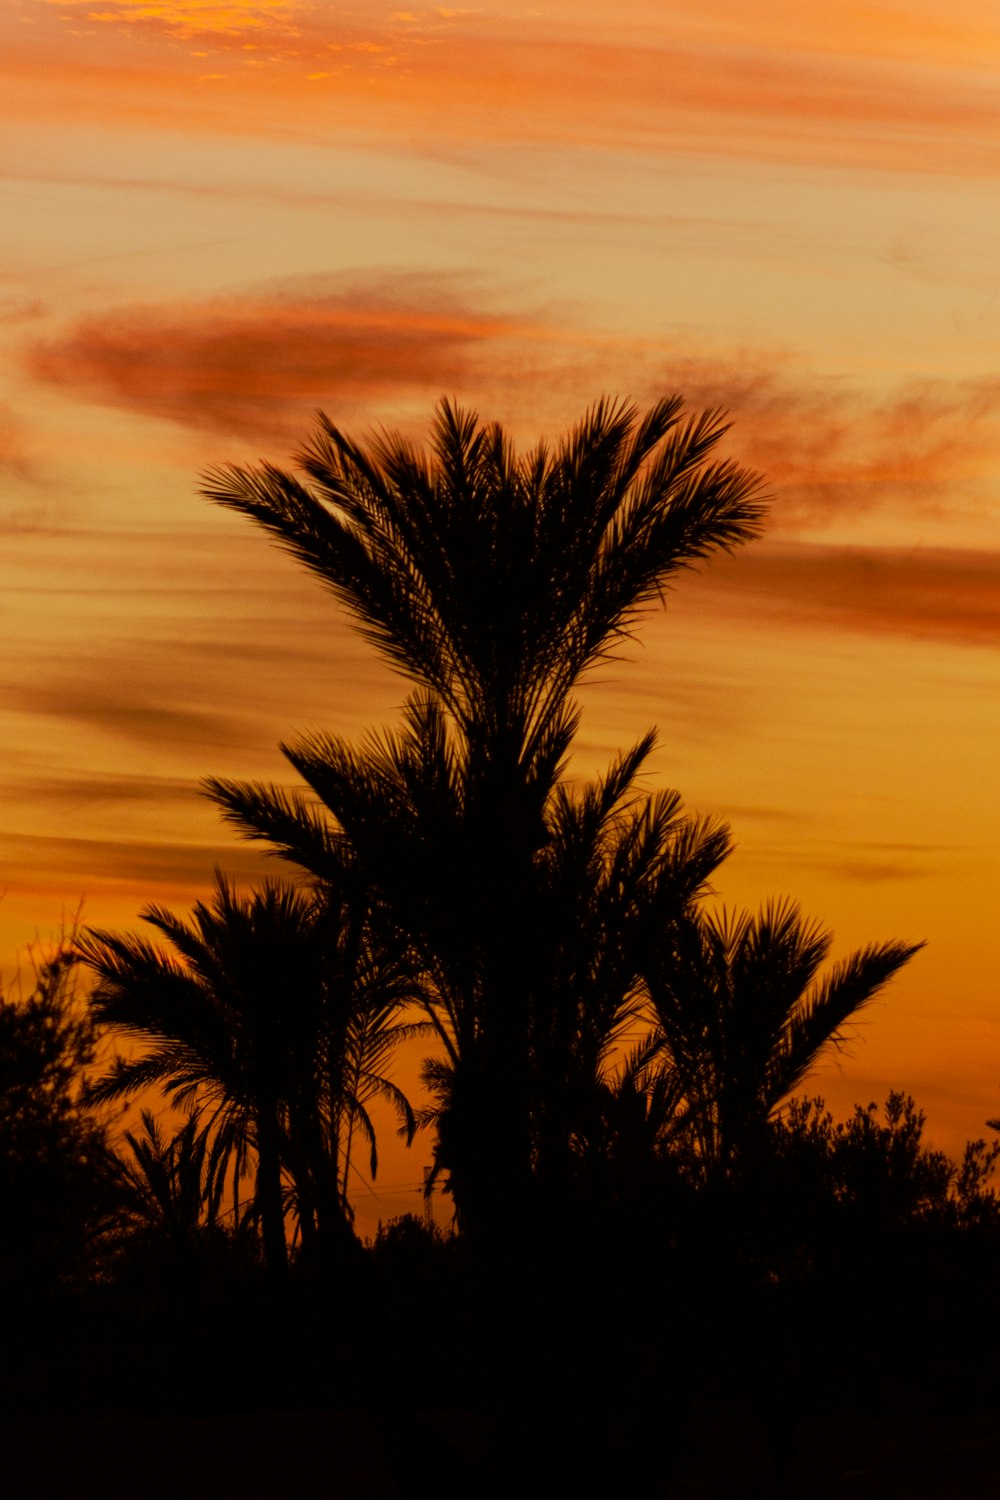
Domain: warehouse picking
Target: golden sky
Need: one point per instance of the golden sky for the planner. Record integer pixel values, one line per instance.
(218, 217)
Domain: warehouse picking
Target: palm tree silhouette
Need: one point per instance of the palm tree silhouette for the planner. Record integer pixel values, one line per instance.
(170, 1186)
(255, 1020)
(614, 862)
(741, 1015)
(172, 1229)
(493, 581)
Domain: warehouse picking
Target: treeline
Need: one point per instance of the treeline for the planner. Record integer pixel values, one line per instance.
(615, 1062)
(89, 1200)
(655, 1323)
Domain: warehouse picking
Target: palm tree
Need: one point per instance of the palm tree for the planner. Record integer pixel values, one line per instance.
(493, 581)
(741, 1015)
(255, 1020)
(171, 1186)
(614, 862)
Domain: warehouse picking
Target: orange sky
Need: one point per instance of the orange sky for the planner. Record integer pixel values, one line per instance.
(221, 216)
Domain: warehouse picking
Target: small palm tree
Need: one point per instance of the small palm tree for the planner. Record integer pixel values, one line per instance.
(170, 1186)
(252, 1021)
(742, 1015)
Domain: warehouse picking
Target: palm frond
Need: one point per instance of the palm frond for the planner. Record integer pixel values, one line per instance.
(818, 1020)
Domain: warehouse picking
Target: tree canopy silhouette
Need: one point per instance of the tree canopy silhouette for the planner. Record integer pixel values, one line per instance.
(274, 1017)
(493, 581)
(54, 1179)
(743, 1016)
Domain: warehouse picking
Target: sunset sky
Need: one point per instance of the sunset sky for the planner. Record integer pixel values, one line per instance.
(219, 217)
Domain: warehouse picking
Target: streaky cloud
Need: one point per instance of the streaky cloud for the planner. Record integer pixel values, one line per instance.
(16, 462)
(800, 91)
(830, 449)
(84, 864)
(849, 864)
(129, 714)
(107, 788)
(258, 364)
(21, 309)
(940, 594)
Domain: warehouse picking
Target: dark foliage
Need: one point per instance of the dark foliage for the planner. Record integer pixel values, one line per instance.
(493, 581)
(653, 1234)
(56, 1185)
(274, 1017)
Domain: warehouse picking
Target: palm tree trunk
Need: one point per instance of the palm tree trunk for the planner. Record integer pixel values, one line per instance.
(269, 1196)
(500, 1207)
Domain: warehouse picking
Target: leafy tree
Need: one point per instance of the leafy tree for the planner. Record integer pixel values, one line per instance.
(493, 581)
(877, 1168)
(54, 1178)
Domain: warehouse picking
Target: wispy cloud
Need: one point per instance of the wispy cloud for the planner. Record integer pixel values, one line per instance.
(260, 363)
(922, 593)
(186, 19)
(829, 449)
(859, 863)
(257, 364)
(86, 865)
(107, 789)
(21, 309)
(11, 454)
(796, 89)
(130, 714)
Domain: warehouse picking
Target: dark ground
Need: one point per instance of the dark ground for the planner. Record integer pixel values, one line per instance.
(344, 1456)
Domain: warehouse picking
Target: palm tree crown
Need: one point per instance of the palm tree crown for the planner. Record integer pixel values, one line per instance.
(274, 1017)
(742, 1014)
(492, 579)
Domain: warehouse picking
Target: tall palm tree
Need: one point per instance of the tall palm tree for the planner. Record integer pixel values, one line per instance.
(273, 1024)
(742, 1015)
(493, 581)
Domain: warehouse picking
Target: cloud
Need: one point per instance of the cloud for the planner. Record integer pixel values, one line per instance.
(801, 90)
(829, 450)
(186, 19)
(923, 593)
(129, 714)
(14, 459)
(257, 364)
(103, 789)
(90, 864)
(871, 872)
(854, 862)
(21, 309)
(262, 362)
